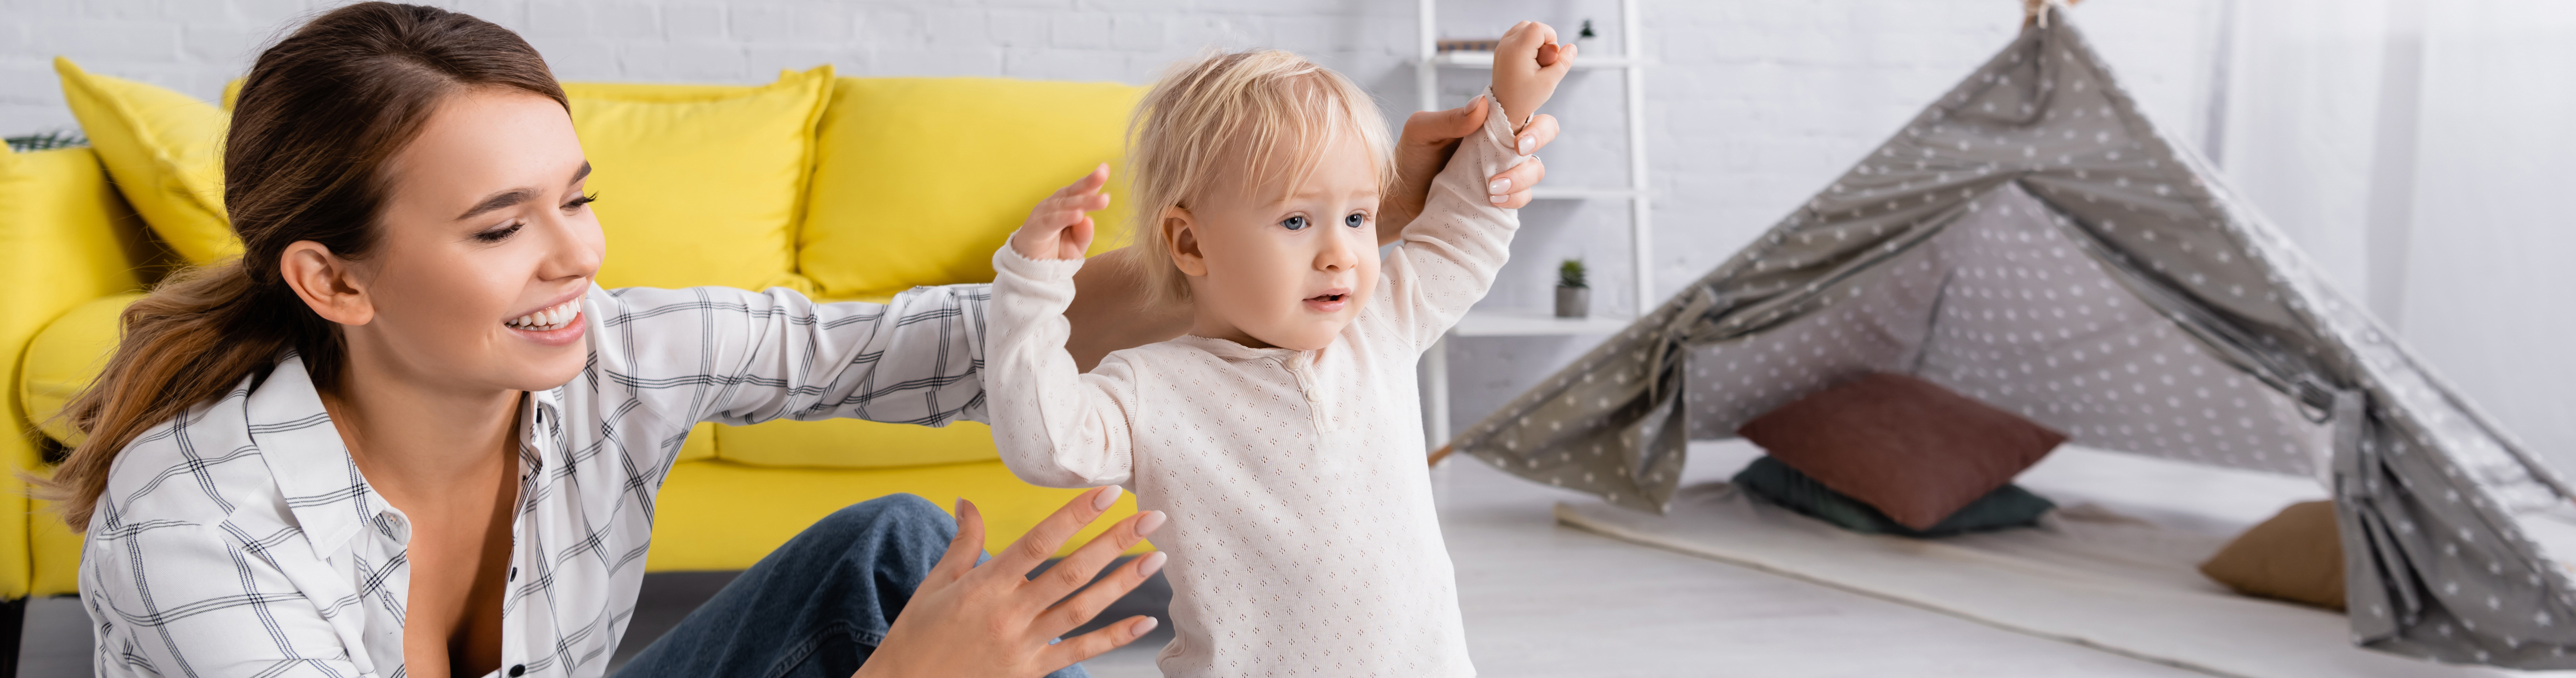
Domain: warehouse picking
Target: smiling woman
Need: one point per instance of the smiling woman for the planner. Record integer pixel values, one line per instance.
(407, 433)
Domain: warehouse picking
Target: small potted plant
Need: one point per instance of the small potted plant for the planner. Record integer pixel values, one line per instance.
(1573, 297)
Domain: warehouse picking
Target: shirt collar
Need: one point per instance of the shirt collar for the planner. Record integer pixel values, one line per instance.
(1230, 351)
(330, 499)
(541, 430)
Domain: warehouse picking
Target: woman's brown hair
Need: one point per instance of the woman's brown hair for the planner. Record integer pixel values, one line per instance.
(319, 116)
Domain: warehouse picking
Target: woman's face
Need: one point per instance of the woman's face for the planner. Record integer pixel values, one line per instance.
(486, 249)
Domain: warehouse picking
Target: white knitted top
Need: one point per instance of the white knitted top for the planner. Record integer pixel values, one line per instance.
(1303, 540)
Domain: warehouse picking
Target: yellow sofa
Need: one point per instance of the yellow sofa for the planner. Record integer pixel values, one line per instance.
(845, 188)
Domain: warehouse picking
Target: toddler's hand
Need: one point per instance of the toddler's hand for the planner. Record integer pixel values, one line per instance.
(1527, 65)
(1059, 228)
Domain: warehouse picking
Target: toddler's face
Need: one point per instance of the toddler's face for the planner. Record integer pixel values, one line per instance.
(1286, 272)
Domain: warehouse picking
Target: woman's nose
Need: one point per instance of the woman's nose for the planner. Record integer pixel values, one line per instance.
(576, 249)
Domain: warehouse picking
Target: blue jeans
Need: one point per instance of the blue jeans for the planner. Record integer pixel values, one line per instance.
(817, 606)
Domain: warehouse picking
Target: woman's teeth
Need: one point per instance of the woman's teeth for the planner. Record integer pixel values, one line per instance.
(556, 318)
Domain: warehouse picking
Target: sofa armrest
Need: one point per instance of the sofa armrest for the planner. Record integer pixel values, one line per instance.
(66, 238)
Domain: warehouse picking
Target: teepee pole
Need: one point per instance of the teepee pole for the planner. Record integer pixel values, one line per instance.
(1640, 226)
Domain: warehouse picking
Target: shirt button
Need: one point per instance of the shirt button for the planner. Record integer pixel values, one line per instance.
(517, 670)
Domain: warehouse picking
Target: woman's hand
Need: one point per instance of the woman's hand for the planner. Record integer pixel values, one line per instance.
(1423, 149)
(1060, 226)
(1107, 314)
(992, 621)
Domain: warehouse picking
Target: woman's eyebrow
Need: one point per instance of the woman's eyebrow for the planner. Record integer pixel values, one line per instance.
(497, 201)
(515, 196)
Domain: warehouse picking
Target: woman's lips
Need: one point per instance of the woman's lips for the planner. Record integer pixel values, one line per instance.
(557, 325)
(570, 331)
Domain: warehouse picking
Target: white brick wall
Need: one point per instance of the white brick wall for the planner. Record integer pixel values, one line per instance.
(1756, 104)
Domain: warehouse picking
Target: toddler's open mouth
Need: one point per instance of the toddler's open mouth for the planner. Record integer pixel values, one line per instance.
(1328, 302)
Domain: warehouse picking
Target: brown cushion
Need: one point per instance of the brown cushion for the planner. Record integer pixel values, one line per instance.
(1913, 450)
(2296, 556)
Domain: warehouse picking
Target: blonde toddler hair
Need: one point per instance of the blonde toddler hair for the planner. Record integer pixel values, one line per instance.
(1211, 124)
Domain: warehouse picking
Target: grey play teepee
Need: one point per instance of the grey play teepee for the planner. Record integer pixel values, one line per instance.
(2035, 242)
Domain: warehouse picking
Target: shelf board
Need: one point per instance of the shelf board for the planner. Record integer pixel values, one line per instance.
(1463, 59)
(1482, 323)
(1581, 193)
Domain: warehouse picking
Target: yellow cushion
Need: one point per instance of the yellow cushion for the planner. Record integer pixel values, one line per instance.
(717, 515)
(852, 443)
(920, 179)
(65, 357)
(700, 185)
(65, 238)
(701, 444)
(163, 147)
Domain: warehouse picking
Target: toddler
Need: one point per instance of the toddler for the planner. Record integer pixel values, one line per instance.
(1283, 434)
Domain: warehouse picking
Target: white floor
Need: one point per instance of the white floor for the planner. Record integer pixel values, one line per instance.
(1542, 599)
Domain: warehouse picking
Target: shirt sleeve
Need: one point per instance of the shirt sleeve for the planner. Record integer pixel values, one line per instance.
(1055, 426)
(740, 357)
(188, 599)
(1449, 254)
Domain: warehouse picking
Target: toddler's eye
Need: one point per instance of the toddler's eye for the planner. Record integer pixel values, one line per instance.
(1355, 220)
(1294, 223)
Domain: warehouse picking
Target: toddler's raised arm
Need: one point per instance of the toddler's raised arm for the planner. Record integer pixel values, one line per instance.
(1449, 254)
(1054, 425)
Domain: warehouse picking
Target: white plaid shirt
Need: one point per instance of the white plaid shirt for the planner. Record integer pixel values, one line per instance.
(240, 540)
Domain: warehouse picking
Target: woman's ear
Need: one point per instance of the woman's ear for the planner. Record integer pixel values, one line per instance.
(326, 282)
(1181, 234)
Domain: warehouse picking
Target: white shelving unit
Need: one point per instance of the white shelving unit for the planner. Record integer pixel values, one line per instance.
(1632, 61)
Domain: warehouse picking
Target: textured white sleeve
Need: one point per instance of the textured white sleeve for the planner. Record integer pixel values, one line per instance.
(1054, 425)
(1449, 254)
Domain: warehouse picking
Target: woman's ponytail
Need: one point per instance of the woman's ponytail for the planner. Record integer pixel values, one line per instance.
(318, 118)
(193, 339)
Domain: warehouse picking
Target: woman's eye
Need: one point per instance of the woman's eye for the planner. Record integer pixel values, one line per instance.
(1355, 220)
(578, 202)
(1294, 223)
(498, 234)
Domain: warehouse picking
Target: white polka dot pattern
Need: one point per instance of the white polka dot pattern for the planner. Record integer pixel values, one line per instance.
(2020, 318)
(2032, 240)
(1303, 539)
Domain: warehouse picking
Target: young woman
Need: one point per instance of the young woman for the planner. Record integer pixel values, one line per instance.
(405, 434)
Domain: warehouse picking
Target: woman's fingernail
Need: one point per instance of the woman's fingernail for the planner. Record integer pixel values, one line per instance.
(1528, 144)
(1499, 187)
(1153, 562)
(1152, 520)
(1498, 199)
(1108, 495)
(1144, 625)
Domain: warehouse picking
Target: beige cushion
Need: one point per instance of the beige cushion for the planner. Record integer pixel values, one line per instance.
(2296, 556)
